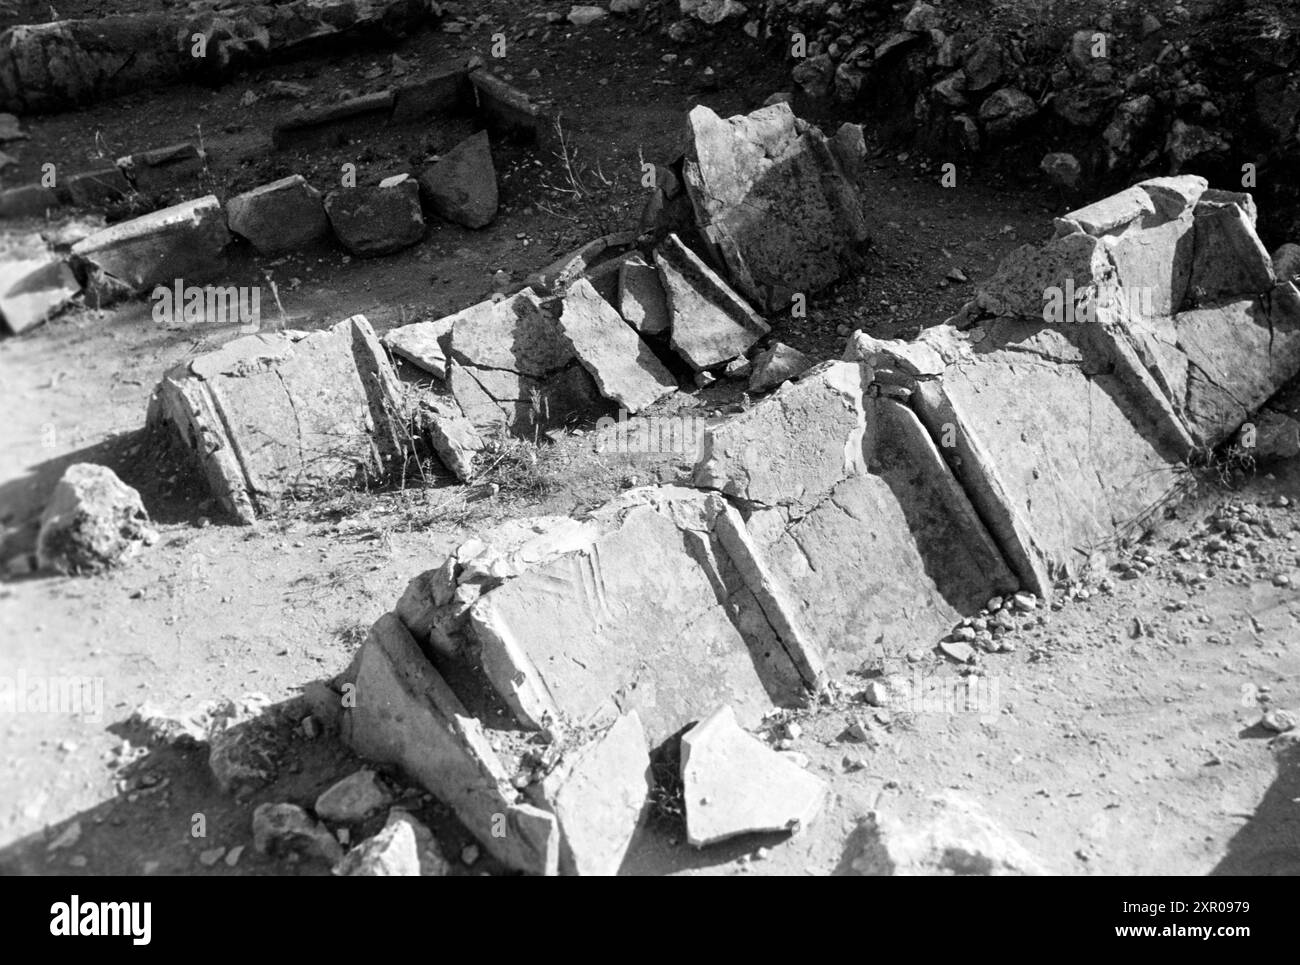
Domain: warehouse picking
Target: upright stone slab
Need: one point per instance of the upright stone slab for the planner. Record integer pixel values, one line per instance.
(653, 616)
(774, 201)
(859, 521)
(1229, 259)
(185, 241)
(711, 324)
(641, 299)
(405, 714)
(625, 369)
(270, 416)
(1058, 435)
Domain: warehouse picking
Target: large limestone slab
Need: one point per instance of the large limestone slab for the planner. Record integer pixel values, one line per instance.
(270, 416)
(711, 324)
(598, 795)
(734, 784)
(1057, 433)
(775, 202)
(861, 525)
(184, 242)
(655, 616)
(405, 714)
(623, 366)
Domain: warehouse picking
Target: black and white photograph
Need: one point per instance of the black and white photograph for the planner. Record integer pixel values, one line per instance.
(786, 438)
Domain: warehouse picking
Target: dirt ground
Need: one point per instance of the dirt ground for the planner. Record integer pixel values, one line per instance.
(1124, 737)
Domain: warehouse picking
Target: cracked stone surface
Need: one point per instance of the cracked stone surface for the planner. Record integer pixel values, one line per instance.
(861, 524)
(512, 367)
(271, 415)
(1062, 439)
(651, 616)
(774, 201)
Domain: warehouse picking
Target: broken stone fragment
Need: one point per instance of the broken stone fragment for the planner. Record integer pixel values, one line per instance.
(283, 829)
(176, 166)
(32, 290)
(93, 521)
(952, 835)
(242, 745)
(380, 220)
(711, 324)
(1286, 262)
(278, 217)
(406, 714)
(641, 298)
(461, 186)
(623, 366)
(404, 847)
(1006, 111)
(422, 344)
(452, 436)
(96, 188)
(352, 798)
(1229, 259)
(185, 241)
(778, 364)
(598, 794)
(774, 202)
(735, 784)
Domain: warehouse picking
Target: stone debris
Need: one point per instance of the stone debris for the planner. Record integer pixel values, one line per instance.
(353, 798)
(461, 186)
(451, 435)
(371, 221)
(242, 745)
(585, 14)
(280, 830)
(269, 416)
(1228, 260)
(777, 365)
(423, 344)
(34, 289)
(735, 784)
(711, 324)
(279, 217)
(403, 848)
(93, 521)
(598, 795)
(623, 366)
(184, 241)
(641, 298)
(406, 715)
(173, 167)
(775, 201)
(952, 835)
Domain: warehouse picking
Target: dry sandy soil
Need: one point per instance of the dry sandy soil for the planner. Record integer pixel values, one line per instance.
(1124, 739)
